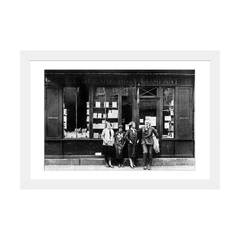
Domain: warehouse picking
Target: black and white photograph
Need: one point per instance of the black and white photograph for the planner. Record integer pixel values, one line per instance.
(118, 119)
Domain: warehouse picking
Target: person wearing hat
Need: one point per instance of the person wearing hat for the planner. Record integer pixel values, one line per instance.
(147, 144)
(119, 144)
(108, 142)
(132, 139)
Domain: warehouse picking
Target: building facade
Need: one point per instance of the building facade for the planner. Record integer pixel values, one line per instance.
(78, 102)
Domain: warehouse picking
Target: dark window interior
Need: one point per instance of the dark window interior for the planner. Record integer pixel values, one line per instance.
(168, 113)
(75, 112)
(126, 110)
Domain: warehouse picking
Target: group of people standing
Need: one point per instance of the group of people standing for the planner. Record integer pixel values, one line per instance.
(131, 137)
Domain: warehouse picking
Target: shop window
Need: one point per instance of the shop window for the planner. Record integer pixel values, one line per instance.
(105, 108)
(168, 113)
(75, 113)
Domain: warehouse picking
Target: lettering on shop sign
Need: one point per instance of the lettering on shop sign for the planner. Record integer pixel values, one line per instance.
(110, 82)
(151, 81)
(169, 82)
(157, 82)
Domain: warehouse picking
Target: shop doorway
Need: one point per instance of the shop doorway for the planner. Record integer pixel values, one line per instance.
(149, 106)
(126, 111)
(147, 111)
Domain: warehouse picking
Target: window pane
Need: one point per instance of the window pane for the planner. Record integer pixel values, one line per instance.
(76, 112)
(82, 127)
(168, 113)
(69, 112)
(105, 108)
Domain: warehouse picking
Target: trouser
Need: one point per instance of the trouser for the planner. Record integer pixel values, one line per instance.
(147, 154)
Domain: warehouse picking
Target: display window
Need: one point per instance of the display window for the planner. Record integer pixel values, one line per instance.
(75, 112)
(168, 113)
(105, 108)
(78, 112)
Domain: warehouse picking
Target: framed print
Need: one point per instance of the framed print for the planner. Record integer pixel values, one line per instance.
(133, 119)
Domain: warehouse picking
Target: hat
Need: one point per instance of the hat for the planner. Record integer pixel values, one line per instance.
(120, 126)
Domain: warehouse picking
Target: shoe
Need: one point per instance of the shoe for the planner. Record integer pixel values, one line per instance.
(119, 165)
(149, 167)
(131, 163)
(145, 168)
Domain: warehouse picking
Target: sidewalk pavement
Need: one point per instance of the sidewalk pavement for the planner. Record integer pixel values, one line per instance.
(87, 162)
(116, 168)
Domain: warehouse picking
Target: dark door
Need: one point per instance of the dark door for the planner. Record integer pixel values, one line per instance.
(53, 112)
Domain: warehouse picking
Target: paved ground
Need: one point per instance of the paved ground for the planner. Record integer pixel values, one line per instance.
(99, 163)
(103, 168)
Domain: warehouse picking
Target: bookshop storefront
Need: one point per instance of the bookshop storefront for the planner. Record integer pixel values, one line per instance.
(78, 102)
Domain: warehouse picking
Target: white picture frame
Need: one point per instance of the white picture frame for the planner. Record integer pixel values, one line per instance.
(28, 181)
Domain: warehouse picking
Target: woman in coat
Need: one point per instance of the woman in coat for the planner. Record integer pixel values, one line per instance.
(119, 144)
(108, 142)
(147, 144)
(132, 139)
